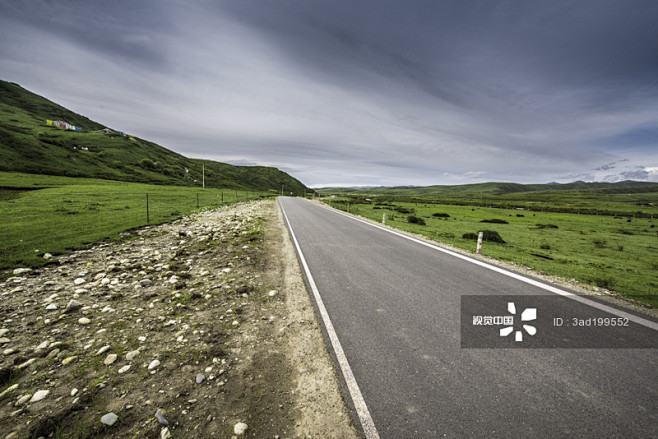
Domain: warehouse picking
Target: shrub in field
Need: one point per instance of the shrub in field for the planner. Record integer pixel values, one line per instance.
(599, 242)
(415, 220)
(440, 215)
(403, 209)
(547, 226)
(494, 221)
(492, 236)
(487, 235)
(545, 247)
(603, 283)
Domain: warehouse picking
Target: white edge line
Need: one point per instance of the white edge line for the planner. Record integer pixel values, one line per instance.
(357, 398)
(552, 289)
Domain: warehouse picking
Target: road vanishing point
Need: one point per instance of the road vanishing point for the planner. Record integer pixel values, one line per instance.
(391, 307)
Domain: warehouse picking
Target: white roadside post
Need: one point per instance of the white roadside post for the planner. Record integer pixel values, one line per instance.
(384, 219)
(479, 247)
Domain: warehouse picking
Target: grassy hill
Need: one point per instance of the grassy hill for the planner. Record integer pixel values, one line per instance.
(28, 144)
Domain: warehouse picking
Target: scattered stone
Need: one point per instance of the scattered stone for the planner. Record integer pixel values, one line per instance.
(109, 419)
(146, 282)
(110, 359)
(11, 435)
(47, 256)
(130, 356)
(73, 305)
(4, 340)
(18, 271)
(79, 281)
(164, 433)
(161, 418)
(124, 369)
(27, 363)
(68, 360)
(272, 293)
(240, 428)
(9, 390)
(200, 378)
(153, 364)
(51, 307)
(39, 395)
(74, 392)
(103, 350)
(23, 399)
(84, 321)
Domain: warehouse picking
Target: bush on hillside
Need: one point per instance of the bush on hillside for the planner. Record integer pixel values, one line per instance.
(415, 220)
(494, 221)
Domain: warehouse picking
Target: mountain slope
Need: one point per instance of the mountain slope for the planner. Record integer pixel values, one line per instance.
(28, 144)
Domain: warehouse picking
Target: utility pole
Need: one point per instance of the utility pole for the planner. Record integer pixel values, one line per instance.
(204, 175)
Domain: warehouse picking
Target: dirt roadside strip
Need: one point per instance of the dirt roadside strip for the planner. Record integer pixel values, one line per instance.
(201, 328)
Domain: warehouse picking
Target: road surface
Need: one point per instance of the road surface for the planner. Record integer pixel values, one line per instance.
(392, 309)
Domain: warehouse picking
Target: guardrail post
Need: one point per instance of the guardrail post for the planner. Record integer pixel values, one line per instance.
(479, 247)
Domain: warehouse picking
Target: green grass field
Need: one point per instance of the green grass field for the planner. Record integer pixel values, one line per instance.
(617, 253)
(49, 214)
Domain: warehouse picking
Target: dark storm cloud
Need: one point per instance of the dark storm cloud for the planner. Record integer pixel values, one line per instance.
(127, 30)
(368, 92)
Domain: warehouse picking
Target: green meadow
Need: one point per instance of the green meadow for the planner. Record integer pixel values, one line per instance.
(52, 214)
(616, 252)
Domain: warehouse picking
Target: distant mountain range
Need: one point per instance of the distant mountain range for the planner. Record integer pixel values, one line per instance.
(38, 136)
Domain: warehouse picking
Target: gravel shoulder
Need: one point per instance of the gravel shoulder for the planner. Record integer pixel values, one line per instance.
(198, 328)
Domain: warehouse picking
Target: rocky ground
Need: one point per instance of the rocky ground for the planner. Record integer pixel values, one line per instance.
(201, 328)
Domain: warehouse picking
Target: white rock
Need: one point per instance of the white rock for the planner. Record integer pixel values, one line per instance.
(154, 364)
(74, 392)
(110, 359)
(23, 399)
(51, 307)
(84, 321)
(124, 369)
(47, 256)
(73, 305)
(79, 281)
(272, 293)
(240, 428)
(39, 395)
(109, 419)
(161, 419)
(3, 331)
(130, 356)
(18, 271)
(164, 433)
(9, 390)
(103, 350)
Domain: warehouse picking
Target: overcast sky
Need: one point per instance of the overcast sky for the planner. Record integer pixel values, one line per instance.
(353, 92)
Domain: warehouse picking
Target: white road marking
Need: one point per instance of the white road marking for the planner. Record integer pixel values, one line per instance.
(357, 398)
(552, 289)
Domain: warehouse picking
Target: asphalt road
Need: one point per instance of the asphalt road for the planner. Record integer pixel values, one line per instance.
(394, 306)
